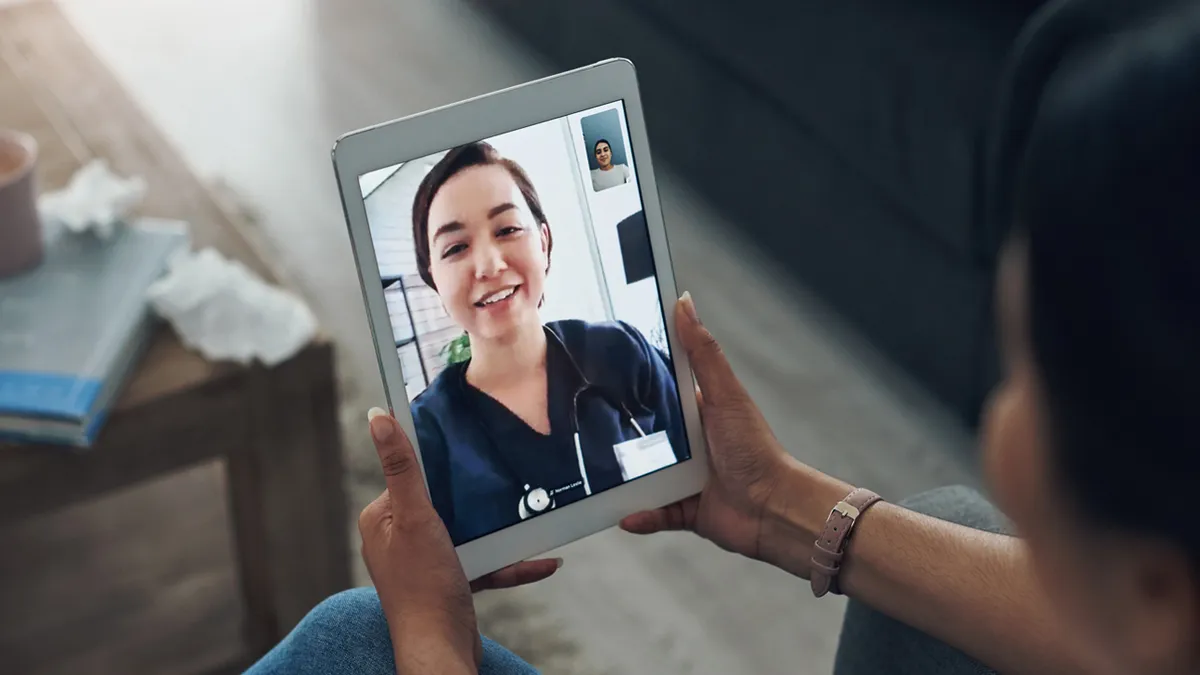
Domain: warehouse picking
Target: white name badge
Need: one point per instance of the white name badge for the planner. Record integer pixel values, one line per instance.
(643, 455)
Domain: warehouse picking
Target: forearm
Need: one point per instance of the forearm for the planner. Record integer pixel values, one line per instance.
(970, 589)
(421, 645)
(429, 655)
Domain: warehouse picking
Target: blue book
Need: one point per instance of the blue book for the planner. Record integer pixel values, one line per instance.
(72, 330)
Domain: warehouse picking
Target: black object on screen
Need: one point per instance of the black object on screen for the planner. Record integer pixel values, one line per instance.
(635, 248)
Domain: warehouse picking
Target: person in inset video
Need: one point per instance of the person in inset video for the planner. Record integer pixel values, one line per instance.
(541, 415)
(607, 174)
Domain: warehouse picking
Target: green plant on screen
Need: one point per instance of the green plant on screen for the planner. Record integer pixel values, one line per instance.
(458, 350)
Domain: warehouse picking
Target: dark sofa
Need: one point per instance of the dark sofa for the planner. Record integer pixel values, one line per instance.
(844, 138)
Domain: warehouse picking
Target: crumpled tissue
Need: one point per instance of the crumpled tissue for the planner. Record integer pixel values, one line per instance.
(96, 199)
(226, 313)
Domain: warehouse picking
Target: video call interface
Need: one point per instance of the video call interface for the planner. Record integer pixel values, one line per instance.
(527, 318)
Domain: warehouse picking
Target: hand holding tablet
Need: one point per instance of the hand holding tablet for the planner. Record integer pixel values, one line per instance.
(401, 533)
(520, 322)
(539, 381)
(421, 584)
(744, 507)
(413, 565)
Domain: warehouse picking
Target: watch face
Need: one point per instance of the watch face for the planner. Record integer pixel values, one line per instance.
(534, 501)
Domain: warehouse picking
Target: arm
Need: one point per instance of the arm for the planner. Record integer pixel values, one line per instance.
(423, 652)
(423, 592)
(970, 589)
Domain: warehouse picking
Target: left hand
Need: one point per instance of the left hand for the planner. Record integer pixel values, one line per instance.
(752, 478)
(420, 581)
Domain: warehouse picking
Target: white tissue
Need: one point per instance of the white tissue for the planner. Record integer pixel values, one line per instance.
(96, 199)
(225, 312)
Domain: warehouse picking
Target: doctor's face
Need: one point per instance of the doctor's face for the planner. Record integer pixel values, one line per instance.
(488, 254)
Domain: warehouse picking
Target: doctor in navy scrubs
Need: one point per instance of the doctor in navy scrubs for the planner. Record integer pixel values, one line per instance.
(542, 415)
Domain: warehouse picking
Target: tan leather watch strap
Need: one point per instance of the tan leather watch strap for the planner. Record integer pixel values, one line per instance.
(831, 545)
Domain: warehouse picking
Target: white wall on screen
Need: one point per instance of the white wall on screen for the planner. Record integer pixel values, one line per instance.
(373, 179)
(638, 303)
(389, 213)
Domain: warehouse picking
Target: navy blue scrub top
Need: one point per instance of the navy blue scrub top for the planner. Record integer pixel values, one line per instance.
(480, 457)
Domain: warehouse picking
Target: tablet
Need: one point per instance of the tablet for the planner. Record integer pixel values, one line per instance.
(518, 285)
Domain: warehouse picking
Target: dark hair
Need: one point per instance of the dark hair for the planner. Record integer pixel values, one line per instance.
(457, 160)
(597, 144)
(1107, 198)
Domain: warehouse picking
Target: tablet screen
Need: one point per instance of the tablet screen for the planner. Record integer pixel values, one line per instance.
(526, 313)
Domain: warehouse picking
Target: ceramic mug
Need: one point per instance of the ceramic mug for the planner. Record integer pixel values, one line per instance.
(20, 227)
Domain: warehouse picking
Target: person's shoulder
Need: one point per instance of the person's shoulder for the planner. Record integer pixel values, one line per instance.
(598, 335)
(437, 396)
(579, 327)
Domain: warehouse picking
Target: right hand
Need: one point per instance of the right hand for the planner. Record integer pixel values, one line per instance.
(741, 506)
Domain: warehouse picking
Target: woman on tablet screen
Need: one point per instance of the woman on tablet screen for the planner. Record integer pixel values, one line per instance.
(541, 415)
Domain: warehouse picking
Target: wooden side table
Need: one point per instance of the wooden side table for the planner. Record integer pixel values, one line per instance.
(276, 430)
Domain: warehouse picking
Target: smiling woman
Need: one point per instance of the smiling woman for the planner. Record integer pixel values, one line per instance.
(540, 414)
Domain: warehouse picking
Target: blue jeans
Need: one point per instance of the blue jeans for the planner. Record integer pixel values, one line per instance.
(348, 634)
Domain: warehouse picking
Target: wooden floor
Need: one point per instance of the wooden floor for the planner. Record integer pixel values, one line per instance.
(253, 96)
(113, 586)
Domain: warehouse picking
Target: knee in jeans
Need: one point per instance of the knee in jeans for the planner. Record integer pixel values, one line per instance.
(347, 617)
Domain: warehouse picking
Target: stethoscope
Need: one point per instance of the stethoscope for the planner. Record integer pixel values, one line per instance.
(586, 386)
(537, 500)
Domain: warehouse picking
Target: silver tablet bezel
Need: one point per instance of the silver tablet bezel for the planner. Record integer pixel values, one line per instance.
(387, 144)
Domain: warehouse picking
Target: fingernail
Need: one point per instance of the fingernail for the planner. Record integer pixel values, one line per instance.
(558, 563)
(689, 307)
(381, 426)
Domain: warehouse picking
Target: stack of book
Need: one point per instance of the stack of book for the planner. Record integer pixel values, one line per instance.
(72, 330)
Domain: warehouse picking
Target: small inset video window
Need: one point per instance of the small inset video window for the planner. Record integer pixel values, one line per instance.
(605, 146)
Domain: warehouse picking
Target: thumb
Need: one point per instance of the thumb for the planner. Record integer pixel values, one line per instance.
(405, 483)
(713, 373)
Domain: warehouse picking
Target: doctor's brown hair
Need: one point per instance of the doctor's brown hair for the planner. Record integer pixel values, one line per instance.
(459, 159)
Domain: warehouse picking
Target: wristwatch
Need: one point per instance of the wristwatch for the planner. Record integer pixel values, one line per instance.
(831, 545)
